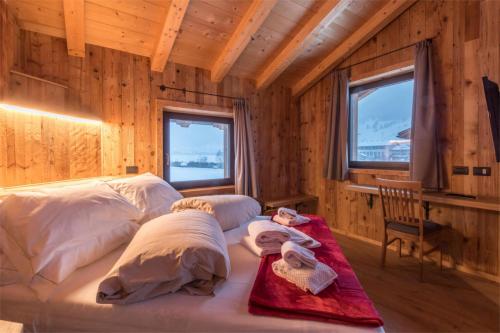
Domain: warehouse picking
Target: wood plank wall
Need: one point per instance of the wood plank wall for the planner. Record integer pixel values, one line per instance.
(120, 88)
(466, 47)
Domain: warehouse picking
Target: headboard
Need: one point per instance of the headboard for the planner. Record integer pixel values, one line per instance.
(61, 183)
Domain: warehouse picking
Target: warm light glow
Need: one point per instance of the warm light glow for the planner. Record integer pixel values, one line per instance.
(31, 112)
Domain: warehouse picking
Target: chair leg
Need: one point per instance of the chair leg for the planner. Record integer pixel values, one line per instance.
(384, 249)
(444, 246)
(441, 257)
(400, 246)
(421, 259)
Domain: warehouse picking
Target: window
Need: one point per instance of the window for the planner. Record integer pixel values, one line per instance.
(380, 123)
(198, 150)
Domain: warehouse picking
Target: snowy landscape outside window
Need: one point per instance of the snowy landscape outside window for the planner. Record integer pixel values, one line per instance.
(198, 150)
(380, 122)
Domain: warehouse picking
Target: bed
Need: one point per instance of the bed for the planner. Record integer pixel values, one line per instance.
(73, 307)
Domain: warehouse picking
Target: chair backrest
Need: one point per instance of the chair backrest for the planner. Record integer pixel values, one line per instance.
(398, 200)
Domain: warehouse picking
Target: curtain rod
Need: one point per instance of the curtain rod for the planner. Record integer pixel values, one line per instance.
(382, 55)
(184, 90)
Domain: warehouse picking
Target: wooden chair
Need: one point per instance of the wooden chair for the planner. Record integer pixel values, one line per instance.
(398, 199)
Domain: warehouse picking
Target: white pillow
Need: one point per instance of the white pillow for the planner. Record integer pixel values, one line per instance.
(229, 209)
(49, 234)
(151, 194)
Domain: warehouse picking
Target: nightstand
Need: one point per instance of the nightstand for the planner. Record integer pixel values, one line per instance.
(302, 203)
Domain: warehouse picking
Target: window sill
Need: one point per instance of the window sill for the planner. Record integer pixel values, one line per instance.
(193, 192)
(379, 172)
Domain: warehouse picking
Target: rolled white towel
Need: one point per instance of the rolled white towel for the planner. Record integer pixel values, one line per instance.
(267, 234)
(289, 217)
(249, 243)
(302, 239)
(297, 256)
(283, 220)
(308, 279)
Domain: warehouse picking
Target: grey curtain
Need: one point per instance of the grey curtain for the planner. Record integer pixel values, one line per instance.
(336, 163)
(425, 156)
(245, 170)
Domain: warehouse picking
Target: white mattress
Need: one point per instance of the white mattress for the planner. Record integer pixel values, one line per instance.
(72, 307)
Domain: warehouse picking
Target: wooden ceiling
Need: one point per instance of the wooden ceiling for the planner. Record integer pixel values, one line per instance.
(257, 39)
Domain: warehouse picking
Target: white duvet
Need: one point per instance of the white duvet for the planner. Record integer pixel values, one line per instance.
(179, 251)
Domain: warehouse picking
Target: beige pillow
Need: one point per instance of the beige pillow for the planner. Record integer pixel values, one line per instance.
(149, 193)
(185, 250)
(230, 210)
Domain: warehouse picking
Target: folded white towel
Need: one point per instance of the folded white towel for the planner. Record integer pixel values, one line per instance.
(283, 220)
(289, 217)
(297, 256)
(308, 279)
(249, 243)
(267, 234)
(302, 239)
(266, 237)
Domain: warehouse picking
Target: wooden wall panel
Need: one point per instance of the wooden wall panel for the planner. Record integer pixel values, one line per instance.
(276, 135)
(466, 47)
(40, 149)
(7, 37)
(274, 122)
(120, 88)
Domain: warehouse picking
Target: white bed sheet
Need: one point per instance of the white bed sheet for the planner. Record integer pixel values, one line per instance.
(72, 307)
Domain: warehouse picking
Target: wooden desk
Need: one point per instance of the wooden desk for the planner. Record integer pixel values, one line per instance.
(439, 197)
(294, 202)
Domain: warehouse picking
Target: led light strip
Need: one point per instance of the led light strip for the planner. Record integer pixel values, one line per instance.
(28, 111)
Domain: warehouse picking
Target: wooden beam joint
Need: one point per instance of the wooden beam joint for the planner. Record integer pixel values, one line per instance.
(248, 26)
(168, 34)
(74, 21)
(286, 55)
(390, 11)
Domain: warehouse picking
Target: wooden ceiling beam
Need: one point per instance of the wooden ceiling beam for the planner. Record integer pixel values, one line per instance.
(286, 55)
(249, 24)
(377, 22)
(168, 34)
(74, 21)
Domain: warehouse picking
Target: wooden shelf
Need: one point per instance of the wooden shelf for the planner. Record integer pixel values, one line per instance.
(194, 192)
(38, 79)
(289, 201)
(379, 172)
(491, 204)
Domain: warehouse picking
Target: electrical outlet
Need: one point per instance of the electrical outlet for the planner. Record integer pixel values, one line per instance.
(481, 171)
(132, 169)
(460, 170)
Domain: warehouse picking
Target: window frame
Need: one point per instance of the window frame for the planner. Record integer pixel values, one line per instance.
(381, 165)
(183, 185)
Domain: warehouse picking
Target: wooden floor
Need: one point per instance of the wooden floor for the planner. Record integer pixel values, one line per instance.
(446, 301)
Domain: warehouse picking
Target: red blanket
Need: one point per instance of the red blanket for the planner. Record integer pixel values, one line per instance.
(344, 301)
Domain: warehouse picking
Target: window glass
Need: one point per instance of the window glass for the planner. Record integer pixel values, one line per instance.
(380, 122)
(199, 150)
